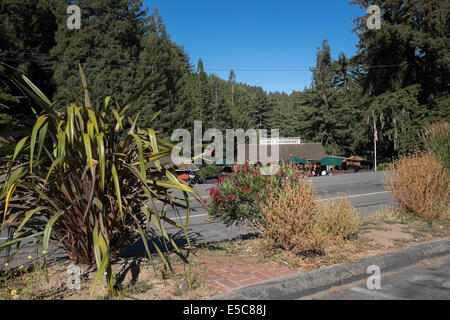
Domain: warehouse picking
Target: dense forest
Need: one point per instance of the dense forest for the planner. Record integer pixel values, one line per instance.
(398, 79)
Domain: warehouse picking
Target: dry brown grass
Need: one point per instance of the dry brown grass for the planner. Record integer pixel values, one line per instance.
(291, 220)
(300, 225)
(420, 185)
(339, 219)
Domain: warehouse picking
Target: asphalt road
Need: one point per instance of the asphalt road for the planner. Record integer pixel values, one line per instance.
(364, 190)
(429, 280)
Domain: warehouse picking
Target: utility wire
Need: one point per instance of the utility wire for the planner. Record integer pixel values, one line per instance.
(242, 68)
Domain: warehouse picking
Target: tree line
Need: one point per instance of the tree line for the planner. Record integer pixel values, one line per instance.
(398, 79)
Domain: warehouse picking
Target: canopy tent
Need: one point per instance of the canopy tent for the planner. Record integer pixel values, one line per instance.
(330, 161)
(296, 160)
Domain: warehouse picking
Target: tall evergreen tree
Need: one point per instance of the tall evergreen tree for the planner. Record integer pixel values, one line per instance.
(27, 29)
(107, 46)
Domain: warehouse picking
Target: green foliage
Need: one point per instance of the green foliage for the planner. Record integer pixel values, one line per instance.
(210, 172)
(398, 79)
(108, 46)
(436, 139)
(237, 198)
(384, 166)
(76, 181)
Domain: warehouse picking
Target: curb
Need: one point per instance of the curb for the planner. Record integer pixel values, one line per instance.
(306, 283)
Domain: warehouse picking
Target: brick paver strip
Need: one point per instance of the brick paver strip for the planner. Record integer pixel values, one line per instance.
(234, 271)
(225, 274)
(249, 282)
(228, 284)
(261, 276)
(241, 277)
(271, 274)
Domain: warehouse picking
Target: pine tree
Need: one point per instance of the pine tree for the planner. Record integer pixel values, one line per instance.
(168, 65)
(107, 46)
(27, 31)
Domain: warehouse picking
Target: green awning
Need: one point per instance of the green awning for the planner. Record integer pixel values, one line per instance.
(299, 160)
(223, 163)
(330, 161)
(296, 160)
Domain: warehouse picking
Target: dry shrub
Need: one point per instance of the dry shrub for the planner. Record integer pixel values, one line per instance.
(299, 224)
(339, 219)
(436, 139)
(291, 220)
(420, 185)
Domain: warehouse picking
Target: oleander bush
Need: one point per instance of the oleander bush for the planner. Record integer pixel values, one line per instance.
(89, 178)
(420, 185)
(237, 198)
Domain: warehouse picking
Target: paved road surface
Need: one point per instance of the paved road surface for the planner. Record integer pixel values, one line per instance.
(423, 281)
(364, 190)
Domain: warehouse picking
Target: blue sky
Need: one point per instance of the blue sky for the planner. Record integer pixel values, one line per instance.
(270, 44)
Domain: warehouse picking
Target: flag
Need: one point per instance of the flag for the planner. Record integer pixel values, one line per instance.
(375, 136)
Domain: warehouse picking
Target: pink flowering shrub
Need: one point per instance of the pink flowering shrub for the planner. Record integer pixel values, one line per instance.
(238, 197)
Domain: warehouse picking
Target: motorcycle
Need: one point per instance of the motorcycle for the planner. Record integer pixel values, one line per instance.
(194, 178)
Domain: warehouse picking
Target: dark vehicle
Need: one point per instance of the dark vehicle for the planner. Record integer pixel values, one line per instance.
(194, 178)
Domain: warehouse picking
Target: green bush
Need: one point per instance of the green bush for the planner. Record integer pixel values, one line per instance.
(75, 181)
(210, 172)
(237, 198)
(384, 166)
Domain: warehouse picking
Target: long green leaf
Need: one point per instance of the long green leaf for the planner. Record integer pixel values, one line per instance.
(101, 159)
(28, 215)
(141, 155)
(48, 230)
(36, 90)
(39, 123)
(19, 147)
(88, 150)
(117, 187)
(14, 241)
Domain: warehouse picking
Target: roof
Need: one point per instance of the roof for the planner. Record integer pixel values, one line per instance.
(357, 158)
(309, 151)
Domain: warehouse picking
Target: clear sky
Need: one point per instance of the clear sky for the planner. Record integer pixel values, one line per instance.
(270, 44)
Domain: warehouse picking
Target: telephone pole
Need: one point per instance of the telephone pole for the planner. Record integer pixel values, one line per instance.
(375, 139)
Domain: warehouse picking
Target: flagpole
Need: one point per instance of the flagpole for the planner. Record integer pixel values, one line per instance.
(375, 138)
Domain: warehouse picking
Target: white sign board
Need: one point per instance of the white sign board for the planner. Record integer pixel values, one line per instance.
(275, 141)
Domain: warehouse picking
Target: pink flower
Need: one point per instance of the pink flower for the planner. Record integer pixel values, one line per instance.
(235, 182)
(232, 198)
(268, 180)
